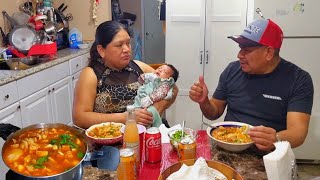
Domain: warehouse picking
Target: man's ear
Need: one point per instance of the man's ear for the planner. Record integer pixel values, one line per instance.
(100, 50)
(270, 53)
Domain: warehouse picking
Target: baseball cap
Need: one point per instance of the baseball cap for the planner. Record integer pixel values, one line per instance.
(261, 32)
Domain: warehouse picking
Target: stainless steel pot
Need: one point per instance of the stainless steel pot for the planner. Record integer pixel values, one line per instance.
(23, 37)
(71, 174)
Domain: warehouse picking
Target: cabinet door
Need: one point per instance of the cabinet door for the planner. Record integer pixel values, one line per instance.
(74, 78)
(36, 108)
(61, 100)
(185, 50)
(222, 20)
(10, 115)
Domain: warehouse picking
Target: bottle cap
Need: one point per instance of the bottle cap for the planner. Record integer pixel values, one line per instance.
(130, 108)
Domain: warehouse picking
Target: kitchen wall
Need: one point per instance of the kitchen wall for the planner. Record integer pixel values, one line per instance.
(80, 9)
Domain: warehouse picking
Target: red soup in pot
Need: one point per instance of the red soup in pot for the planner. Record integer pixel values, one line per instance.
(44, 152)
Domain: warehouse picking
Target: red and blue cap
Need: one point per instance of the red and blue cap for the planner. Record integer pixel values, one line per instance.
(261, 32)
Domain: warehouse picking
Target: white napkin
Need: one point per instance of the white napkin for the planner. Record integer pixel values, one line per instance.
(279, 163)
(199, 171)
(164, 132)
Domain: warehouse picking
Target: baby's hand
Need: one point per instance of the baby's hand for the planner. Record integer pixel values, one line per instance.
(146, 102)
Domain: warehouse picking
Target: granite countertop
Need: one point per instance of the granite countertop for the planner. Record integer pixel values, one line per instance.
(249, 163)
(7, 76)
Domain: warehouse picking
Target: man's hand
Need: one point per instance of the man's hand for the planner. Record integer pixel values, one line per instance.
(263, 137)
(199, 91)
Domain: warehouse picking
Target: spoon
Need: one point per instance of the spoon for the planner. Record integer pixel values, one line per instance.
(183, 124)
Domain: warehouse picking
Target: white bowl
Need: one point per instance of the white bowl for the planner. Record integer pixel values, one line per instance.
(83, 46)
(234, 147)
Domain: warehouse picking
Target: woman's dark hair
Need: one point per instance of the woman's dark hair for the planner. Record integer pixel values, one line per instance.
(105, 32)
(175, 72)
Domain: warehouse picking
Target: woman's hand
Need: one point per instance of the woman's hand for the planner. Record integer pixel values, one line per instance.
(143, 117)
(263, 137)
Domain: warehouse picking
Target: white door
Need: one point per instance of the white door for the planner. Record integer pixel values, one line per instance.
(36, 108)
(61, 101)
(185, 50)
(154, 39)
(222, 20)
(10, 115)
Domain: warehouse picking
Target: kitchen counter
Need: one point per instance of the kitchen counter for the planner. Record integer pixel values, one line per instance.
(7, 76)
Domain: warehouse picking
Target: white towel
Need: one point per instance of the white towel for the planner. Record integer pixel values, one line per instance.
(199, 171)
(164, 132)
(279, 163)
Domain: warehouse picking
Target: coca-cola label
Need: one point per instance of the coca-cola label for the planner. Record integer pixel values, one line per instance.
(153, 143)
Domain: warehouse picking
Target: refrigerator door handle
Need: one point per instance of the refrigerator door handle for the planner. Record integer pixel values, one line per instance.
(201, 54)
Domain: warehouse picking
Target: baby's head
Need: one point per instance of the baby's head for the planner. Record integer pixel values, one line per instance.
(166, 71)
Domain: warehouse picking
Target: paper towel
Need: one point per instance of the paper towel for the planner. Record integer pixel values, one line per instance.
(199, 171)
(279, 163)
(164, 132)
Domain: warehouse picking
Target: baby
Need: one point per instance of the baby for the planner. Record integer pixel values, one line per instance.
(155, 87)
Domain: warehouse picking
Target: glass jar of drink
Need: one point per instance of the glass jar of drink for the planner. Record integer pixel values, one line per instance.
(187, 147)
(127, 167)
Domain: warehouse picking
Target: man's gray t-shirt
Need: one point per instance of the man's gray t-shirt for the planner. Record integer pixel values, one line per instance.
(265, 99)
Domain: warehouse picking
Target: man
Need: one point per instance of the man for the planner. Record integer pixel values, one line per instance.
(261, 89)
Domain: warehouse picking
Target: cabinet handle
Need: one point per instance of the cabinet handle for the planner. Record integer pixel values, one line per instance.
(201, 53)
(6, 96)
(207, 54)
(52, 89)
(49, 91)
(19, 107)
(72, 78)
(77, 65)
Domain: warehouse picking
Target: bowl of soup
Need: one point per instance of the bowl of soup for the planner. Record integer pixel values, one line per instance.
(105, 133)
(231, 136)
(45, 151)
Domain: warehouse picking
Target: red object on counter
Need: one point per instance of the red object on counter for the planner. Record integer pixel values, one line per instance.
(153, 145)
(151, 171)
(37, 49)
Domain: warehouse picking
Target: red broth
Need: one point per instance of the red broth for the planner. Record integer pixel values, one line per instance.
(44, 152)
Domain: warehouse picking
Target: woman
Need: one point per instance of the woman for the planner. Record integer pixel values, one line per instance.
(110, 82)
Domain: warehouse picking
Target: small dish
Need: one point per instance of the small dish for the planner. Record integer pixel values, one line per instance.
(83, 46)
(175, 136)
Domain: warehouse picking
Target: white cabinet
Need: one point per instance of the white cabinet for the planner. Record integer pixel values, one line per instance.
(197, 44)
(8, 94)
(49, 105)
(36, 108)
(74, 78)
(61, 101)
(10, 115)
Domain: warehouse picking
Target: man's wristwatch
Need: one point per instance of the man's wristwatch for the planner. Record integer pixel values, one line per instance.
(278, 138)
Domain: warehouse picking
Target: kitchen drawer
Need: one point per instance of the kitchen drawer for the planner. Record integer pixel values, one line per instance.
(33, 83)
(8, 94)
(75, 64)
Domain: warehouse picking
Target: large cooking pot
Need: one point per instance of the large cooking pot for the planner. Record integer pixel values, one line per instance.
(71, 174)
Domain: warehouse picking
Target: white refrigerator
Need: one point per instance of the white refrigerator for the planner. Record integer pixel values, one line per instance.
(301, 46)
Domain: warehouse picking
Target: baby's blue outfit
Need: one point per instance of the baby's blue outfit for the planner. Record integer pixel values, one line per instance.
(146, 89)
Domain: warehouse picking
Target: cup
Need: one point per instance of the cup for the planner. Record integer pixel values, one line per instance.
(142, 129)
(187, 147)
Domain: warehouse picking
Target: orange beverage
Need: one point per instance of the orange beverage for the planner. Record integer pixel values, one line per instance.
(127, 167)
(131, 134)
(187, 149)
